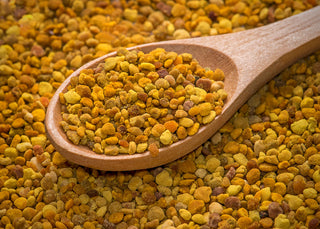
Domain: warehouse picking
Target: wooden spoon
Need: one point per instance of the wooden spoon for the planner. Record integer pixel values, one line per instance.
(249, 60)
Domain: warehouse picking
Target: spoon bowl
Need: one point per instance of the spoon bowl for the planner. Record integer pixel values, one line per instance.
(249, 60)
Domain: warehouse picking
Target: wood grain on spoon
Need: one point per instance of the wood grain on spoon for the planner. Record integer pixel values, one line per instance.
(249, 60)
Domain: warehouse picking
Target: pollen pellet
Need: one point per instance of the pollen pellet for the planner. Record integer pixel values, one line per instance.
(72, 97)
(165, 137)
(182, 114)
(157, 130)
(186, 122)
(111, 150)
(86, 102)
(147, 66)
(204, 109)
(108, 129)
(193, 111)
(193, 129)
(90, 126)
(182, 132)
(112, 140)
(153, 149)
(140, 101)
(171, 125)
(142, 147)
(132, 147)
(110, 63)
(207, 119)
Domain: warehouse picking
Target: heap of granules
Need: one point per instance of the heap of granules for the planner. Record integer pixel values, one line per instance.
(135, 102)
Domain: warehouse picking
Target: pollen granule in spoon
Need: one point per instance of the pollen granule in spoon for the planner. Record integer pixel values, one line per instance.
(137, 101)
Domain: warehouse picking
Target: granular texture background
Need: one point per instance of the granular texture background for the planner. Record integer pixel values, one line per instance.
(261, 170)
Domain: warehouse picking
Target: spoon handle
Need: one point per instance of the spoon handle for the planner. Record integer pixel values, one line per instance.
(262, 53)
